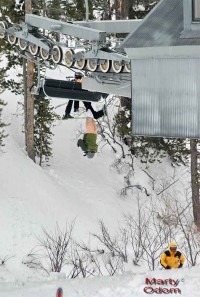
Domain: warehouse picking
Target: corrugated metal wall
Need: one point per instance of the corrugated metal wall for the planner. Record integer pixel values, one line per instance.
(166, 97)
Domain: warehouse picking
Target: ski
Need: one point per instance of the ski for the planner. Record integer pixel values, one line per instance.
(59, 292)
(74, 118)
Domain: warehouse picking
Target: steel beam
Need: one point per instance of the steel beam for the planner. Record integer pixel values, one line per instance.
(117, 26)
(65, 28)
(102, 55)
(120, 89)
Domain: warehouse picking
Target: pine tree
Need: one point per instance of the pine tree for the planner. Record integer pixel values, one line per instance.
(54, 10)
(76, 10)
(44, 119)
(2, 125)
(103, 7)
(9, 12)
(39, 7)
(138, 9)
(2, 103)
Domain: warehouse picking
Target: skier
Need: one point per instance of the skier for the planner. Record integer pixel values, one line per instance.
(172, 258)
(88, 143)
(77, 79)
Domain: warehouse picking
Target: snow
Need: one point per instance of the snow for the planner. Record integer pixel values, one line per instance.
(121, 286)
(71, 188)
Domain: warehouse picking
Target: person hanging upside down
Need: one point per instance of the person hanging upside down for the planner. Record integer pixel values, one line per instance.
(88, 143)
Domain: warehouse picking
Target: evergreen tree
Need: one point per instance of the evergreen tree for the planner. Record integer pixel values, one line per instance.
(138, 9)
(44, 119)
(39, 7)
(2, 103)
(9, 12)
(104, 8)
(75, 10)
(2, 125)
(54, 10)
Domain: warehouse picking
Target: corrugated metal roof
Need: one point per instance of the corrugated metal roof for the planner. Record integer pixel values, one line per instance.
(162, 27)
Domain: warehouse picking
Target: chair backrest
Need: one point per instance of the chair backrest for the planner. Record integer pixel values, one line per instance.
(69, 90)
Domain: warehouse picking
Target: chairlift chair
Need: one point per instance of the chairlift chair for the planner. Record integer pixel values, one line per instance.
(67, 90)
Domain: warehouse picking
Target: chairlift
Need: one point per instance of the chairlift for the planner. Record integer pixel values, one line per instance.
(65, 89)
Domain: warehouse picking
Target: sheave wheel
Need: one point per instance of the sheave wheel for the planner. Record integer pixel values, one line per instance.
(57, 54)
(68, 58)
(44, 54)
(117, 66)
(92, 65)
(105, 66)
(127, 67)
(80, 64)
(3, 25)
(33, 49)
(12, 39)
(23, 44)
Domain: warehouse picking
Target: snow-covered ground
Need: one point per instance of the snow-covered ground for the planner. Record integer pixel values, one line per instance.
(183, 282)
(72, 187)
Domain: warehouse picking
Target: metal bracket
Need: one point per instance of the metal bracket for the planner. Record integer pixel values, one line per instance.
(114, 26)
(102, 55)
(65, 28)
(106, 55)
(95, 49)
(24, 29)
(25, 35)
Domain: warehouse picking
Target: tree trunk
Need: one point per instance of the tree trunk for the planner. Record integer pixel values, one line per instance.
(30, 112)
(25, 98)
(124, 9)
(29, 101)
(127, 8)
(41, 155)
(195, 182)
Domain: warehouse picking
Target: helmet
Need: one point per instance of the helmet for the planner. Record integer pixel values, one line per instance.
(90, 155)
(172, 246)
(78, 75)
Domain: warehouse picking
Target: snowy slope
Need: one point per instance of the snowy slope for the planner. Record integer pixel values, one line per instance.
(184, 283)
(73, 187)
(32, 198)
